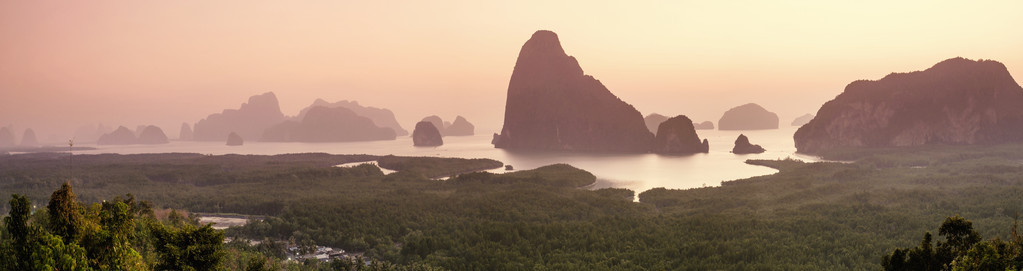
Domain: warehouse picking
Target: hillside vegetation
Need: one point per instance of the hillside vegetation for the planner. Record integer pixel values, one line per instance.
(809, 216)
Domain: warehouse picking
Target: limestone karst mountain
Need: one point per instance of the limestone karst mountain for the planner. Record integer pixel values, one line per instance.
(426, 135)
(248, 121)
(742, 146)
(677, 136)
(152, 135)
(553, 105)
(233, 139)
(323, 124)
(382, 117)
(956, 101)
(654, 120)
(705, 125)
(28, 139)
(460, 127)
(185, 133)
(121, 136)
(437, 123)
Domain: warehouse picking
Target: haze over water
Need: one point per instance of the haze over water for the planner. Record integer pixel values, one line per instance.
(638, 172)
(68, 64)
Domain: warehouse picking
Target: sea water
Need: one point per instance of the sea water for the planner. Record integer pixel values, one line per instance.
(638, 172)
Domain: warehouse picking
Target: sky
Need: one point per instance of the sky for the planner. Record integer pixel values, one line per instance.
(65, 64)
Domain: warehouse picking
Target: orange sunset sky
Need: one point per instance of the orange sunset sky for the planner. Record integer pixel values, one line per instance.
(64, 64)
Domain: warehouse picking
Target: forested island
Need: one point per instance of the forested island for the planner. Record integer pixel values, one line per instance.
(809, 216)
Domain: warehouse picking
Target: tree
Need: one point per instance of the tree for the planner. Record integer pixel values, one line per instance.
(16, 224)
(32, 248)
(959, 236)
(961, 250)
(188, 247)
(65, 216)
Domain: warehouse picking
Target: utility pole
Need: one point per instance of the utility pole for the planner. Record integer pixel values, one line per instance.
(71, 159)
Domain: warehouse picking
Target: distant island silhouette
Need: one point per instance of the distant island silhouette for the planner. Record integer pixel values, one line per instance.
(749, 116)
(802, 120)
(381, 117)
(249, 121)
(678, 136)
(149, 135)
(653, 120)
(325, 124)
(426, 135)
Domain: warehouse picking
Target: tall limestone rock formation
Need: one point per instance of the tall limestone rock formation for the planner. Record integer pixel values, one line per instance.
(437, 123)
(460, 127)
(186, 132)
(742, 146)
(678, 136)
(28, 139)
(233, 139)
(152, 135)
(426, 135)
(553, 105)
(249, 121)
(957, 101)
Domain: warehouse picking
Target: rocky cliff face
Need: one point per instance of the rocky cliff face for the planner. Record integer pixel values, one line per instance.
(957, 101)
(677, 136)
(749, 116)
(652, 121)
(322, 124)
(742, 146)
(249, 121)
(426, 135)
(186, 132)
(460, 127)
(152, 135)
(553, 105)
(121, 136)
(381, 117)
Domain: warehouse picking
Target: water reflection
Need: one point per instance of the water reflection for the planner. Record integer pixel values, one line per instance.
(638, 172)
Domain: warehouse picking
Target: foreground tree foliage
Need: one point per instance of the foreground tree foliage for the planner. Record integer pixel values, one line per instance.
(808, 216)
(108, 235)
(962, 249)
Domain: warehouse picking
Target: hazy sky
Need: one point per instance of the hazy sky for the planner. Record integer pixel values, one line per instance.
(64, 64)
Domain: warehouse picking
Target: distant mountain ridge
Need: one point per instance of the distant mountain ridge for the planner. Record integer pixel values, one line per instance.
(382, 117)
(956, 101)
(323, 124)
(248, 121)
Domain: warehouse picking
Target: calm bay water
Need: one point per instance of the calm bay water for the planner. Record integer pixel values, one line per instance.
(638, 172)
